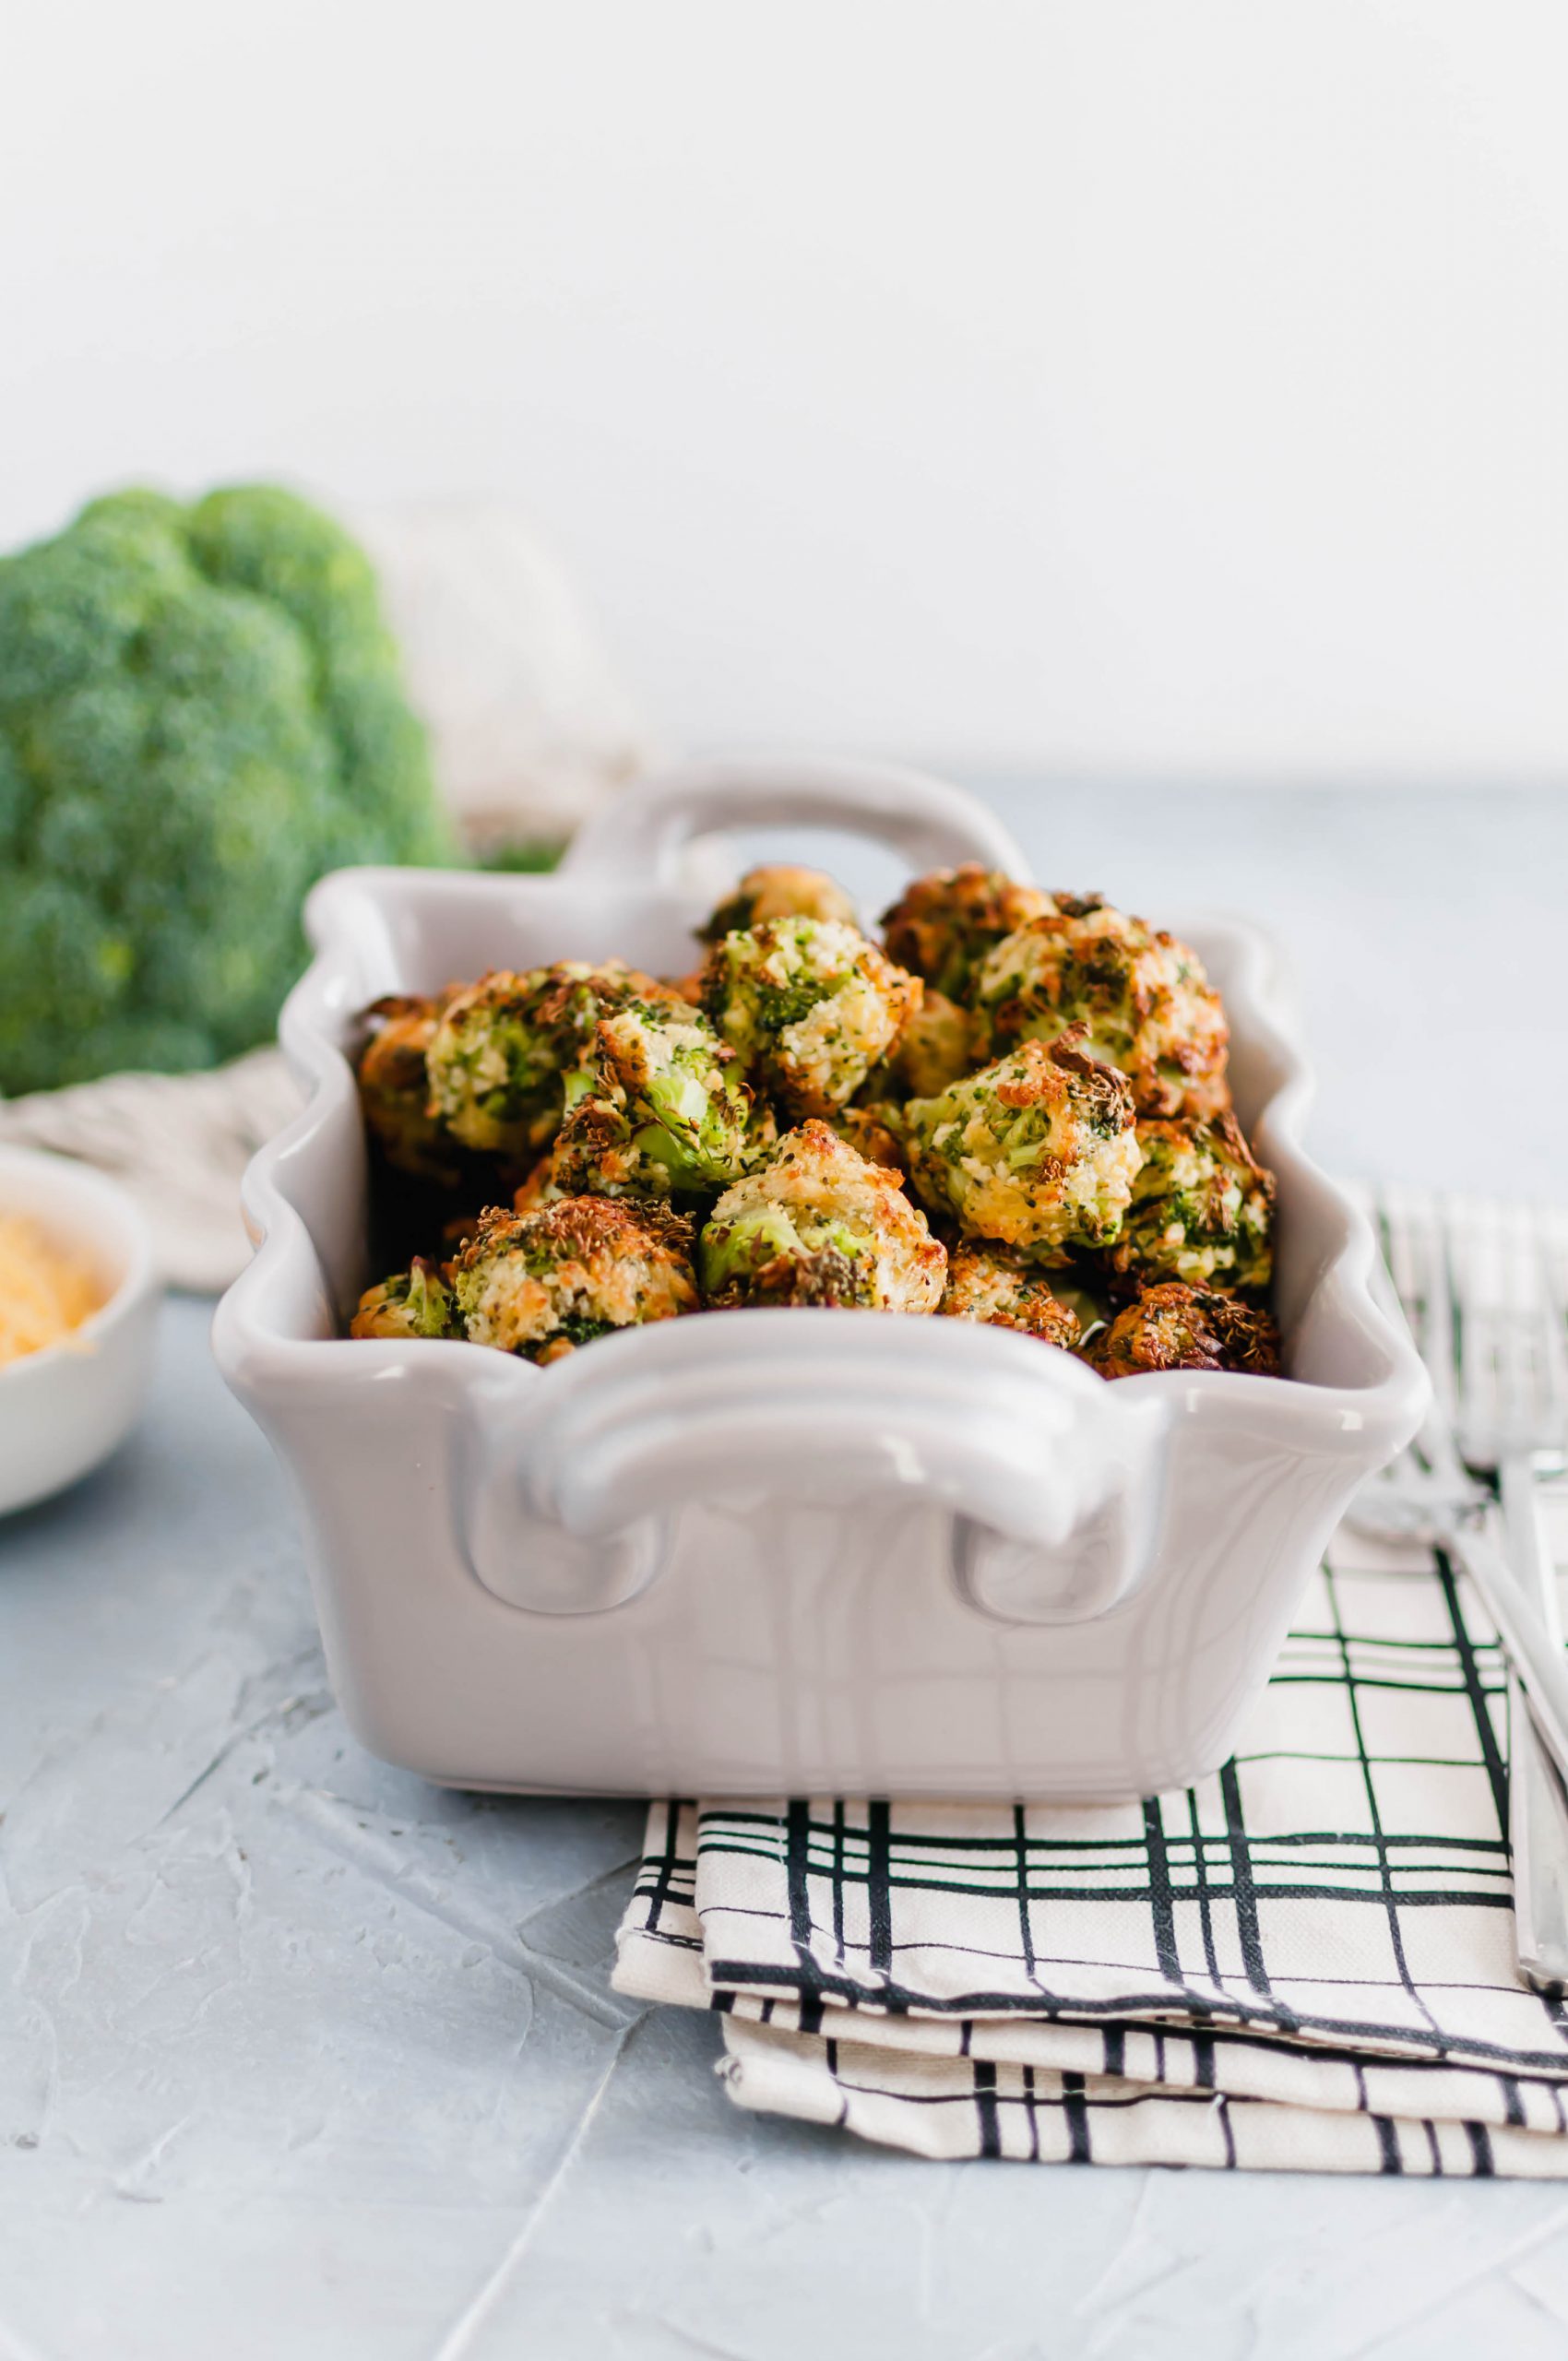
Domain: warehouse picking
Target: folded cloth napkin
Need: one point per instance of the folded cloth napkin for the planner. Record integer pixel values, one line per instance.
(1303, 1964)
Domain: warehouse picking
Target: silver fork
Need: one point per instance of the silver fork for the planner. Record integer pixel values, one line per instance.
(1429, 1495)
(1511, 1419)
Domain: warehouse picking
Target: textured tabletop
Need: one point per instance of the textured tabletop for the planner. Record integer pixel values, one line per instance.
(299, 2055)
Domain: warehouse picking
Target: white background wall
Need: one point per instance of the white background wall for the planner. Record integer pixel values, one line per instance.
(1163, 386)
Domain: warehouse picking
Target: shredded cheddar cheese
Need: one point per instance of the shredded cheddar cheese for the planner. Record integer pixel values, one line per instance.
(45, 1295)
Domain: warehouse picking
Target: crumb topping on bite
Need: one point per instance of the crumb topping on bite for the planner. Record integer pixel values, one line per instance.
(500, 1054)
(1176, 1327)
(661, 1112)
(1143, 997)
(1037, 1150)
(818, 1224)
(809, 1007)
(779, 890)
(1202, 1209)
(943, 923)
(997, 1286)
(541, 1283)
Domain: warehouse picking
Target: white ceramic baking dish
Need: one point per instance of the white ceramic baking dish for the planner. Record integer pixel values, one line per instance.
(784, 1552)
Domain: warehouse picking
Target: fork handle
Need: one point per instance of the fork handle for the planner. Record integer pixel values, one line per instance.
(1538, 1842)
(1535, 1656)
(1537, 1801)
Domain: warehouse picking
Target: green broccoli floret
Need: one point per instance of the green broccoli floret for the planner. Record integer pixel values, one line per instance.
(200, 711)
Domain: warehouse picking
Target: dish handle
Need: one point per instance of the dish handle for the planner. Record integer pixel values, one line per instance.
(1053, 1486)
(641, 832)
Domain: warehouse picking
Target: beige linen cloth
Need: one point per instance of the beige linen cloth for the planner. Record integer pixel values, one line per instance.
(179, 1143)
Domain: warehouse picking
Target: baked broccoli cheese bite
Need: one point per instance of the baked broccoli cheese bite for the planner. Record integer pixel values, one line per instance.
(537, 1187)
(943, 923)
(809, 1007)
(817, 1224)
(993, 1285)
(1176, 1327)
(540, 1284)
(1202, 1209)
(499, 1055)
(1037, 1150)
(410, 1303)
(664, 1112)
(1144, 998)
(395, 1086)
(938, 1045)
(870, 1131)
(779, 890)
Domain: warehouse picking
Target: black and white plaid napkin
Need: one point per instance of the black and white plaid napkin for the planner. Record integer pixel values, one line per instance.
(1304, 1963)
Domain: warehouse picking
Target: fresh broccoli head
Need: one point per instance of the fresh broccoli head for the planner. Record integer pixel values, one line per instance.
(817, 1224)
(200, 711)
(1037, 1151)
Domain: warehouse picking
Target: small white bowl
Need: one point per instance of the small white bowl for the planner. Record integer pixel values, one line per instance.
(64, 1409)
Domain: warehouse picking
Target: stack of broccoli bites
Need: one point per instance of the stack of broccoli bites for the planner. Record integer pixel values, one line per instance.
(1014, 1112)
(1092, 1135)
